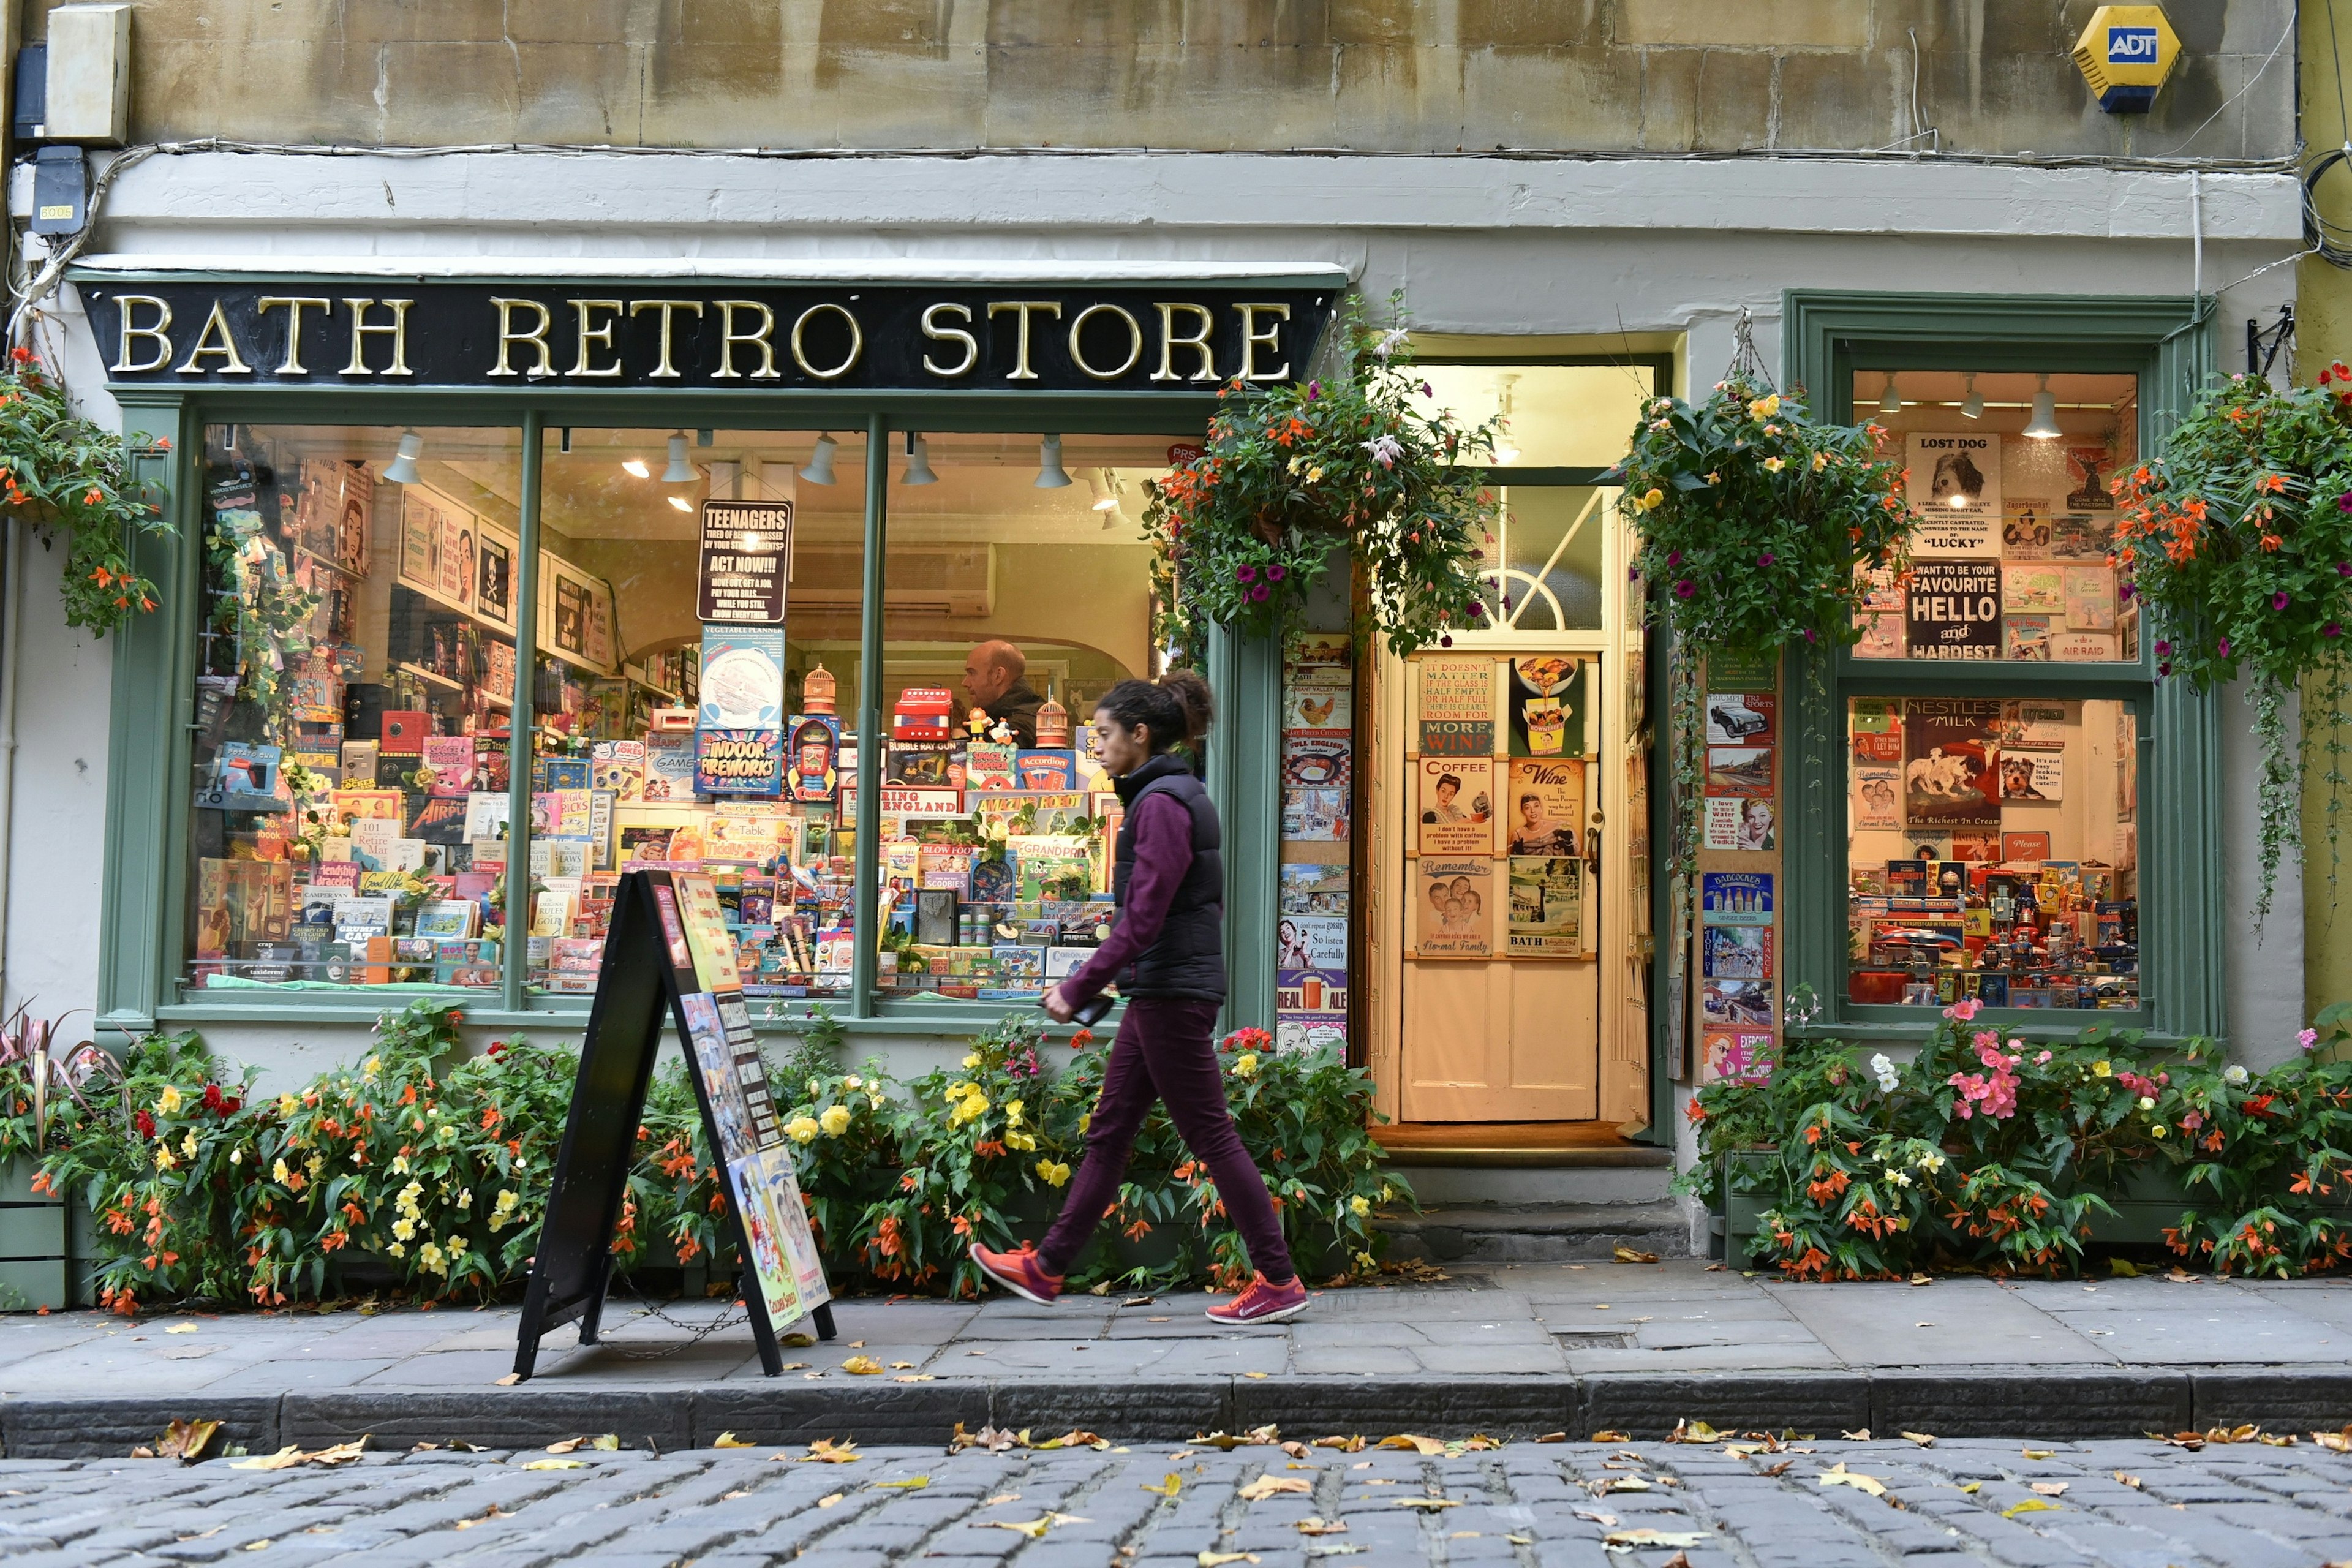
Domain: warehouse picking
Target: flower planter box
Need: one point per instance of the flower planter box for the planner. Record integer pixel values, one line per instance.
(46, 1243)
(1742, 1211)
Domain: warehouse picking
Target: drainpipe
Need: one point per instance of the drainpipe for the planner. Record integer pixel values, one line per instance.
(12, 624)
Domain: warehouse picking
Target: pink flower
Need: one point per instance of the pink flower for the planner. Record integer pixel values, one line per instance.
(1275, 571)
(2307, 1040)
(2223, 647)
(1686, 589)
(2041, 1059)
(1245, 574)
(1765, 560)
(1258, 595)
(2192, 1122)
(2279, 600)
(1963, 1010)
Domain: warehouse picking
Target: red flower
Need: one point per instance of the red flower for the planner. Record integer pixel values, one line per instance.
(145, 1123)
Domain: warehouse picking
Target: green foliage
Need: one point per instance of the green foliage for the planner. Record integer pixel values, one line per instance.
(2238, 537)
(1295, 476)
(65, 475)
(436, 1166)
(1754, 518)
(1987, 1151)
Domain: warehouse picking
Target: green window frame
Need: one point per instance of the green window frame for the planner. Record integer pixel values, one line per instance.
(2167, 342)
(143, 879)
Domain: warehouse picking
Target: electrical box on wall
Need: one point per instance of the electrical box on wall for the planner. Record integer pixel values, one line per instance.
(60, 190)
(2125, 53)
(89, 75)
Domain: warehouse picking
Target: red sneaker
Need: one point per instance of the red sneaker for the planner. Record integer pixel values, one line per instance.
(1019, 1272)
(1264, 1302)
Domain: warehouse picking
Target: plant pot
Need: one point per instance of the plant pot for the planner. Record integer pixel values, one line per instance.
(36, 1237)
(1743, 1211)
(2148, 1199)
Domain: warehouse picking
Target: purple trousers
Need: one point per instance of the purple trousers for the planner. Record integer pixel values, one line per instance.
(1164, 1051)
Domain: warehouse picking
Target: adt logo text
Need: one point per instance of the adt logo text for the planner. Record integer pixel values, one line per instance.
(2131, 45)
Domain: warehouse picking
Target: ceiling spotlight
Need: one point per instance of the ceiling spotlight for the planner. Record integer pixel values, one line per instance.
(402, 469)
(1050, 476)
(637, 466)
(680, 471)
(1106, 498)
(1890, 402)
(820, 464)
(919, 463)
(2043, 425)
(1972, 405)
(681, 503)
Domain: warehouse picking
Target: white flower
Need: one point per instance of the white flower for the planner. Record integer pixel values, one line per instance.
(1390, 342)
(1899, 1178)
(1884, 1070)
(2233, 1075)
(2146, 1103)
(1929, 1161)
(1385, 451)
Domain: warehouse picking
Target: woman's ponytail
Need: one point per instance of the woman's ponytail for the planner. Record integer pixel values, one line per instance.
(1177, 708)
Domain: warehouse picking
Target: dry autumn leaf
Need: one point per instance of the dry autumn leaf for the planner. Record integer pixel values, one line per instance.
(1838, 1475)
(1257, 1374)
(1075, 1439)
(857, 1345)
(902, 1366)
(2039, 1453)
(1593, 1516)
(1924, 1439)
(2130, 1481)
(290, 1456)
(1636, 1540)
(729, 1440)
(1430, 1503)
(1412, 1443)
(1219, 1559)
(508, 1381)
(1270, 1486)
(556, 1465)
(1859, 1434)
(830, 1498)
(863, 1366)
(1345, 1445)
(1311, 1525)
(1634, 1255)
(1553, 1437)
(915, 1377)
(181, 1329)
(2049, 1489)
(2031, 1505)
(187, 1441)
(1780, 1469)
(1169, 1488)
(1613, 1436)
(826, 1452)
(1295, 1450)
(911, 1484)
(1687, 1431)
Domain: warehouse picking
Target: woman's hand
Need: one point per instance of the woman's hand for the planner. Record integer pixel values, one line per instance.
(1057, 1006)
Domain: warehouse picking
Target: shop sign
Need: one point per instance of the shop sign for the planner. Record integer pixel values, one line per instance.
(746, 546)
(741, 336)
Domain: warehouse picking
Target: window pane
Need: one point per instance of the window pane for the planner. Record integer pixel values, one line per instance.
(1542, 563)
(1994, 852)
(1555, 415)
(676, 723)
(1022, 599)
(2010, 473)
(355, 675)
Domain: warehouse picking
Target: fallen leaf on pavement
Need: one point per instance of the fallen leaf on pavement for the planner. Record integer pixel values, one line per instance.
(1924, 1323)
(2283, 1440)
(729, 1440)
(494, 1512)
(911, 1484)
(863, 1366)
(902, 1366)
(263, 1544)
(187, 1441)
(1917, 1279)
(2122, 1269)
(830, 1498)
(566, 1445)
(1860, 1434)
(1781, 1468)
(1311, 1525)
(1924, 1439)
(1613, 1436)
(1970, 1487)
(557, 1464)
(508, 1381)
(1219, 1559)
(1679, 1559)
(1035, 1529)
(2031, 1505)
(915, 1377)
(2049, 1489)
(857, 1345)
(1530, 1540)
(291, 1454)
(1619, 1484)
(1295, 1450)
(1001, 1499)
(1839, 1476)
(2039, 1453)
(1253, 1375)
(825, 1451)
(1605, 1521)
(1432, 1503)
(2130, 1481)
(1270, 1486)
(1632, 1255)
(1553, 1437)
(1169, 1488)
(802, 1366)
(1636, 1540)
(1688, 1431)
(1147, 1319)
(1412, 1442)
(1074, 1440)
(181, 1329)
(1345, 1445)
(1139, 1301)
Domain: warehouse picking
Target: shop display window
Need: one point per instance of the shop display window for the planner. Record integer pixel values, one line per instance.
(354, 677)
(1993, 852)
(1017, 591)
(2010, 473)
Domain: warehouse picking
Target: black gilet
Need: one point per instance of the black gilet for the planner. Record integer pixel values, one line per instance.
(1188, 958)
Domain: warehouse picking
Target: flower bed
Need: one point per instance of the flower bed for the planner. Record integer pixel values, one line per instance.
(1986, 1151)
(435, 1169)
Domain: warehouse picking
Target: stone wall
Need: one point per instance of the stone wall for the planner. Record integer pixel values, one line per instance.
(1438, 75)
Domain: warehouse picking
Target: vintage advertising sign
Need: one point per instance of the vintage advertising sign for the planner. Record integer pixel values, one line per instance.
(1955, 609)
(1453, 908)
(1950, 756)
(1955, 491)
(1543, 811)
(747, 548)
(1547, 909)
(1455, 698)
(1456, 814)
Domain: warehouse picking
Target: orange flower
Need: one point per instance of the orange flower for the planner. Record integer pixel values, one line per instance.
(2272, 482)
(95, 497)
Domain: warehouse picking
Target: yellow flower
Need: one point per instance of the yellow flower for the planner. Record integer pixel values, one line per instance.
(404, 1229)
(280, 1175)
(163, 1161)
(802, 1130)
(2102, 1069)
(400, 1164)
(1774, 465)
(314, 1164)
(1314, 473)
(1387, 1193)
(2157, 1131)
(395, 1250)
(1765, 408)
(188, 1144)
(1821, 461)
(852, 1081)
(168, 1102)
(368, 1067)
(1055, 1172)
(1012, 1109)
(1024, 1142)
(1246, 1065)
(236, 1156)
(1650, 501)
(1358, 1206)
(973, 1061)
(835, 1121)
(287, 1105)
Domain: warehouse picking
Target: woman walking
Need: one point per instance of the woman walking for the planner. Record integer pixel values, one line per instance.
(1167, 953)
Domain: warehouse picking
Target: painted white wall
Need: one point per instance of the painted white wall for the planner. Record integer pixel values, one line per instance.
(2263, 971)
(1480, 245)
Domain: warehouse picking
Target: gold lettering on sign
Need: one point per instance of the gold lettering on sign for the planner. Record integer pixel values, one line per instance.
(292, 364)
(728, 337)
(536, 336)
(1169, 343)
(668, 307)
(1252, 339)
(856, 342)
(1134, 342)
(1021, 371)
(593, 336)
(154, 335)
(215, 342)
(396, 330)
(936, 333)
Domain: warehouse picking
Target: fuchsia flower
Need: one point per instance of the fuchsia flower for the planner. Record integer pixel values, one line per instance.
(1245, 574)
(1686, 589)
(2223, 647)
(2307, 1040)
(1275, 571)
(1674, 557)
(2279, 600)
(2163, 646)
(1964, 1010)
(1258, 595)
(1765, 559)
(2128, 589)
(2344, 502)
(2042, 1060)
(2331, 629)
(1811, 636)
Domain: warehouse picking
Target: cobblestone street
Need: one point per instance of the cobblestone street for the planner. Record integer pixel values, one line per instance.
(1818, 1504)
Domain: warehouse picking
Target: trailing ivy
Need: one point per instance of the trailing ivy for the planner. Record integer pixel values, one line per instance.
(71, 479)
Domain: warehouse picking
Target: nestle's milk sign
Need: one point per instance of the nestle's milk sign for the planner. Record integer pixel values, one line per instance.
(2131, 45)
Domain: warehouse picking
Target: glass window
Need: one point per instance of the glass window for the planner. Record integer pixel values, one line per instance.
(1018, 590)
(1554, 416)
(355, 673)
(2010, 472)
(698, 597)
(1994, 852)
(1542, 563)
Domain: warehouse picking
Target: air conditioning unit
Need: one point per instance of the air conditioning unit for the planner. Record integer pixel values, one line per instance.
(919, 579)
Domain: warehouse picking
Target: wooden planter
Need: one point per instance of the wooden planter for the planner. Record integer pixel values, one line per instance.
(46, 1243)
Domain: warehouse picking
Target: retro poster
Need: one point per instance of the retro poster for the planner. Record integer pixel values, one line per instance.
(1955, 609)
(1456, 706)
(1735, 898)
(1456, 814)
(1746, 823)
(420, 540)
(1738, 772)
(1547, 908)
(1950, 758)
(1544, 809)
(1546, 705)
(1311, 760)
(1741, 718)
(1955, 491)
(1736, 952)
(1453, 908)
(1877, 796)
(1737, 1056)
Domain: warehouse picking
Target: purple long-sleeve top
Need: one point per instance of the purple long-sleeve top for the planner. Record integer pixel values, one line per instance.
(1163, 854)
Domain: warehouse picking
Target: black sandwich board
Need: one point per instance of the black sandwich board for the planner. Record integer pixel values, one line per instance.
(668, 953)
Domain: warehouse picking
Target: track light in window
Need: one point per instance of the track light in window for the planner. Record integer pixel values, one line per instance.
(680, 471)
(637, 468)
(1972, 405)
(402, 469)
(820, 464)
(1106, 499)
(1050, 476)
(2043, 425)
(681, 503)
(1890, 402)
(919, 463)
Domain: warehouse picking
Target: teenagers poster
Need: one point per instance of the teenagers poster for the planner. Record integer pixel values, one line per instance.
(1950, 758)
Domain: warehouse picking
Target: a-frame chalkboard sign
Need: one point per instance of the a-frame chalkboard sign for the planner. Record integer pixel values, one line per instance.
(668, 954)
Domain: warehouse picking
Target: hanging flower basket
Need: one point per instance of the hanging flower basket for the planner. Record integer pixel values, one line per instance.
(2237, 540)
(1294, 478)
(65, 476)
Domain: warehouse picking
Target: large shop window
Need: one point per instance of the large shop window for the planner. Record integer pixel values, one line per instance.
(1992, 821)
(354, 677)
